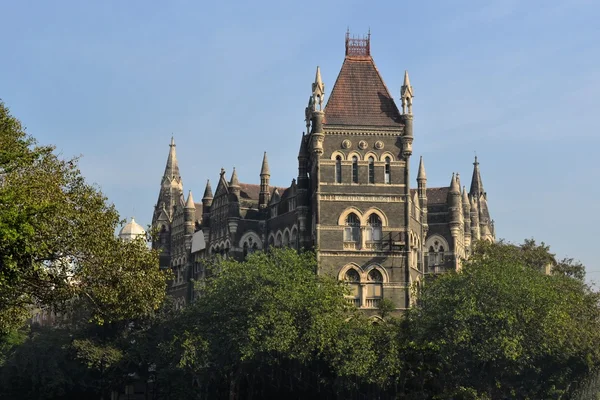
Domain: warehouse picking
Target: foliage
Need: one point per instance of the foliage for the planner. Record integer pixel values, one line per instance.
(57, 238)
(501, 328)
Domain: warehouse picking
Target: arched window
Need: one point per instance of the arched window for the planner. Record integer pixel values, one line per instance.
(271, 241)
(354, 169)
(371, 170)
(352, 230)
(373, 231)
(286, 239)
(294, 239)
(388, 176)
(374, 288)
(352, 277)
(338, 169)
(278, 240)
(436, 253)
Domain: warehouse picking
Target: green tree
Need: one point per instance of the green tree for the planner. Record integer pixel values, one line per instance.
(57, 238)
(500, 328)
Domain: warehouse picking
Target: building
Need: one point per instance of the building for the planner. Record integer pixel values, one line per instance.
(352, 199)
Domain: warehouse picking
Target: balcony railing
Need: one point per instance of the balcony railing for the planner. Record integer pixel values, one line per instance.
(354, 301)
(372, 303)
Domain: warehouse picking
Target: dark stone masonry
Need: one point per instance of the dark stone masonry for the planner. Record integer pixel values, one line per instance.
(351, 201)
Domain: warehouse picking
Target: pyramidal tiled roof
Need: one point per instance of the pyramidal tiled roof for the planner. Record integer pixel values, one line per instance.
(360, 97)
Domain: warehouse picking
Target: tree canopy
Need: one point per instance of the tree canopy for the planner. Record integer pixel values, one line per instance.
(57, 238)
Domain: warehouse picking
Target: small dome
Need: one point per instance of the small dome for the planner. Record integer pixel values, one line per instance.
(131, 230)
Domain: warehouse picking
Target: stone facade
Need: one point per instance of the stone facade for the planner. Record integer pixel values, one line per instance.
(351, 201)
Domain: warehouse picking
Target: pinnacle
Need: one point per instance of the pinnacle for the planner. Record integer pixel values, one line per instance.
(465, 197)
(207, 191)
(265, 166)
(190, 201)
(421, 175)
(407, 90)
(454, 188)
(234, 182)
(476, 182)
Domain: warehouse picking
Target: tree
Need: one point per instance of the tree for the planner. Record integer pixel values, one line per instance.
(57, 238)
(272, 325)
(500, 328)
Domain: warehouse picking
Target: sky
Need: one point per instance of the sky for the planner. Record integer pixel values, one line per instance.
(517, 82)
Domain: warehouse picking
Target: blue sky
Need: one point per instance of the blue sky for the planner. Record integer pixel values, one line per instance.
(515, 81)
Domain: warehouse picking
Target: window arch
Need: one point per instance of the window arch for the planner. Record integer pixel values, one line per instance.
(352, 278)
(371, 169)
(278, 239)
(373, 231)
(436, 246)
(374, 288)
(294, 238)
(388, 170)
(338, 169)
(286, 238)
(354, 169)
(352, 230)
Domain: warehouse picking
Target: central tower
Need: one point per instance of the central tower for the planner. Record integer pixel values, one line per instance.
(364, 225)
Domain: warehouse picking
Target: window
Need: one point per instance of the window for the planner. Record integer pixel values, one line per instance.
(387, 176)
(338, 169)
(286, 239)
(371, 170)
(373, 231)
(294, 239)
(354, 169)
(436, 253)
(352, 277)
(352, 230)
(374, 288)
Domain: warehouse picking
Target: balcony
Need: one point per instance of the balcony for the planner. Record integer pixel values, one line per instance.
(354, 301)
(372, 303)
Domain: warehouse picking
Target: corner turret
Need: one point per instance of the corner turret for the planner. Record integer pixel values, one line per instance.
(406, 94)
(265, 176)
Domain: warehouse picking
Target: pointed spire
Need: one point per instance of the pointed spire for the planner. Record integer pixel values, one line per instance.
(208, 194)
(318, 89)
(454, 188)
(190, 201)
(406, 93)
(476, 183)
(421, 176)
(234, 182)
(265, 166)
(465, 198)
(172, 168)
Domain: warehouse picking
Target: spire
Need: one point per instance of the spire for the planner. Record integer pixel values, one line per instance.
(318, 90)
(454, 188)
(234, 182)
(172, 168)
(476, 183)
(208, 194)
(465, 198)
(265, 166)
(406, 93)
(421, 176)
(190, 201)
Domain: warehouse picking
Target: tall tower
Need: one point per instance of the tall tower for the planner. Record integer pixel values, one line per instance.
(171, 191)
(356, 157)
(265, 176)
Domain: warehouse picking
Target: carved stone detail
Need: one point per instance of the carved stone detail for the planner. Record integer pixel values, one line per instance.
(362, 145)
(379, 145)
(346, 144)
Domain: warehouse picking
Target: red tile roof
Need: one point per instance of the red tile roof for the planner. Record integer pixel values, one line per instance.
(360, 97)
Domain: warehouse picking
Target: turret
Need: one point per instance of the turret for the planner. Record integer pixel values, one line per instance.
(406, 94)
(189, 214)
(422, 190)
(234, 184)
(265, 176)
(207, 199)
(316, 113)
(475, 234)
(454, 203)
(466, 207)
